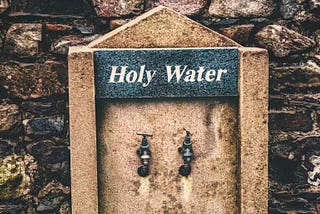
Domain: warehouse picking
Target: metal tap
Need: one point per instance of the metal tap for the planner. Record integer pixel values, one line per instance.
(145, 155)
(187, 154)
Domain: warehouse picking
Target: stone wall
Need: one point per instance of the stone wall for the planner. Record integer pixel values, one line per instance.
(34, 40)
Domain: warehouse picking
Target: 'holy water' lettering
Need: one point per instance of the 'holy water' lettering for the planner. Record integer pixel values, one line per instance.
(178, 73)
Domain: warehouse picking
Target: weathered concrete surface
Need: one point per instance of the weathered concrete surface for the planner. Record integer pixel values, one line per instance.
(211, 186)
(82, 131)
(253, 130)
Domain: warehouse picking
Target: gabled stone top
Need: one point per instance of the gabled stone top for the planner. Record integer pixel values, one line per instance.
(162, 27)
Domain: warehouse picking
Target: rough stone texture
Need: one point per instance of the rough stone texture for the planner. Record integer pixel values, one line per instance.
(291, 122)
(4, 5)
(288, 8)
(253, 130)
(115, 23)
(53, 158)
(61, 46)
(58, 28)
(49, 8)
(211, 185)
(51, 126)
(238, 33)
(10, 117)
(282, 41)
(304, 78)
(16, 176)
(44, 107)
(184, 7)
(83, 26)
(34, 80)
(6, 148)
(23, 39)
(175, 31)
(85, 199)
(234, 8)
(114, 8)
(314, 4)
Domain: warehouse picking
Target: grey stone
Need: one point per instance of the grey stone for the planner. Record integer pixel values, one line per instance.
(34, 80)
(61, 46)
(185, 7)
(58, 28)
(46, 206)
(23, 40)
(12, 208)
(83, 26)
(10, 117)
(281, 150)
(288, 8)
(259, 20)
(47, 126)
(115, 8)
(225, 22)
(235, 9)
(282, 41)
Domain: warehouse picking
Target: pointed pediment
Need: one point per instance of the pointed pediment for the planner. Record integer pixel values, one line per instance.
(162, 27)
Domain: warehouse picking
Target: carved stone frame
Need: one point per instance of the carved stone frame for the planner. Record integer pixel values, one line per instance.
(253, 105)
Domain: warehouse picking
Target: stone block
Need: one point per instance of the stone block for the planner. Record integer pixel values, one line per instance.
(23, 40)
(46, 126)
(61, 45)
(304, 78)
(299, 121)
(4, 5)
(33, 80)
(238, 33)
(184, 7)
(16, 176)
(115, 8)
(49, 8)
(235, 9)
(10, 117)
(291, 41)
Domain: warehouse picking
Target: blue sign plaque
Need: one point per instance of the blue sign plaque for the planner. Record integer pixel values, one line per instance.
(155, 73)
